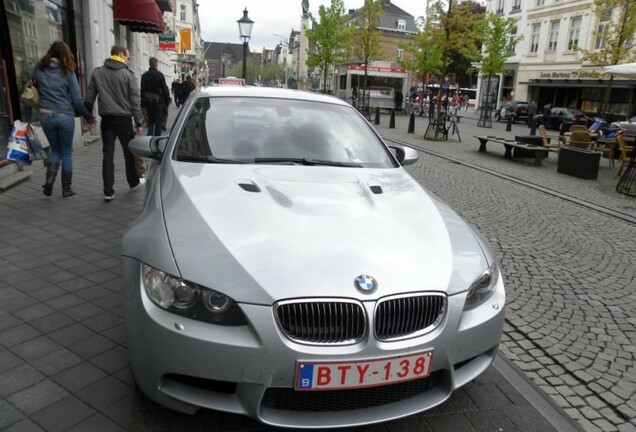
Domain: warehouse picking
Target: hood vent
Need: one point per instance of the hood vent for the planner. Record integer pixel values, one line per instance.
(248, 185)
(376, 189)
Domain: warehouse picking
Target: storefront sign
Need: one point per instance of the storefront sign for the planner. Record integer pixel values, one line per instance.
(377, 69)
(231, 81)
(571, 75)
(167, 42)
(186, 39)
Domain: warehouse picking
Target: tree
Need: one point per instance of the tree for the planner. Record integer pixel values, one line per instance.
(614, 43)
(366, 40)
(330, 38)
(498, 37)
(253, 70)
(425, 56)
(452, 30)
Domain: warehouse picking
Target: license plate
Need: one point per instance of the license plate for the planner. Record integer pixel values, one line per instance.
(369, 373)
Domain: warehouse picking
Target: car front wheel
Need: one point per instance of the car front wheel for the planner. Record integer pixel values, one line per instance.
(497, 116)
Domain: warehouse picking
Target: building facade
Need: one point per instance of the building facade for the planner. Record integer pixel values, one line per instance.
(546, 67)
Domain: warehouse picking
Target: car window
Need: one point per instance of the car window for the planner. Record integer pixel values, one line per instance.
(249, 129)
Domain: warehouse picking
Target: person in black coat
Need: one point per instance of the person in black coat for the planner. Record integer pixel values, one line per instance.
(155, 97)
(186, 88)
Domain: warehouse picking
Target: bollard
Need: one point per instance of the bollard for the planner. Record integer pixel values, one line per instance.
(533, 129)
(509, 123)
(377, 115)
(392, 120)
(412, 123)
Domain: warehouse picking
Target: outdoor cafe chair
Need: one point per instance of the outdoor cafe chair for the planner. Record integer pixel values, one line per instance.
(582, 140)
(625, 152)
(547, 139)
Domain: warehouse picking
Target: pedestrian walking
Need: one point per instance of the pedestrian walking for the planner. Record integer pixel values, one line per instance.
(119, 103)
(176, 92)
(187, 86)
(59, 99)
(399, 98)
(155, 96)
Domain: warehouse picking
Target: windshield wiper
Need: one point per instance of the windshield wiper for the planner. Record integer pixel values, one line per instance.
(207, 159)
(305, 161)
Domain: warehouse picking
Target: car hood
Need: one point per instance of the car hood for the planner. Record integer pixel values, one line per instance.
(261, 233)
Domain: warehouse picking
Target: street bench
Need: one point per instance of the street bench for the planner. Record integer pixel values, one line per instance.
(538, 152)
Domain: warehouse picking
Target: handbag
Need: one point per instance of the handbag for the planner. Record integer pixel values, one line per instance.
(31, 95)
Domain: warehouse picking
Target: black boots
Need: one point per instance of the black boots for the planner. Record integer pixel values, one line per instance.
(51, 173)
(67, 177)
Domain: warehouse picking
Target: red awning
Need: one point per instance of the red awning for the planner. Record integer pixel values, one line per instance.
(139, 15)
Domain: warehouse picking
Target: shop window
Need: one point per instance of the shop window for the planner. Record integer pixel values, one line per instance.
(34, 26)
(575, 30)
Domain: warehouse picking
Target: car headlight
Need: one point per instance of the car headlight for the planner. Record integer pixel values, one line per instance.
(190, 300)
(482, 288)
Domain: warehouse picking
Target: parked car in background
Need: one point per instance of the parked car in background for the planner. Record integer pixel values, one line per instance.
(515, 109)
(559, 115)
(629, 126)
(285, 266)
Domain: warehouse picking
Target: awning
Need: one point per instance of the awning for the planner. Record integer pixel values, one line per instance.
(142, 16)
(626, 84)
(627, 70)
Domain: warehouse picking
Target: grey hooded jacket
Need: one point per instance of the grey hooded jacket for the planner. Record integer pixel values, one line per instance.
(118, 91)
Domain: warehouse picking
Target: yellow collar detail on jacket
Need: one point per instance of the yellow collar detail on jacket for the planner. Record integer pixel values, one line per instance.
(117, 58)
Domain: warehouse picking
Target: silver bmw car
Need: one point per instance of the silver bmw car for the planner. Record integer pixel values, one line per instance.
(286, 267)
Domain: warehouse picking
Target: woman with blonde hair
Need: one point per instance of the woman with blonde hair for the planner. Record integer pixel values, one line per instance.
(59, 99)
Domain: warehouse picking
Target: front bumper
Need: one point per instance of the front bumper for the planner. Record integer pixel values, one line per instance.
(187, 365)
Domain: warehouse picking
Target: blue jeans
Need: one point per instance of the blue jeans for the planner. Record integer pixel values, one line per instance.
(58, 129)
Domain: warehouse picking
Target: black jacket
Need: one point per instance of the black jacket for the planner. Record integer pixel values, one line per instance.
(154, 88)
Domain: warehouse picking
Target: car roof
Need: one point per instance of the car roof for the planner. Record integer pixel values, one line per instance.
(268, 92)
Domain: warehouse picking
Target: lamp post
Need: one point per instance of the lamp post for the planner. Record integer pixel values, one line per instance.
(245, 30)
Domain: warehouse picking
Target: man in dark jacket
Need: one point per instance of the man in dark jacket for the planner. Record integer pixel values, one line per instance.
(155, 96)
(118, 92)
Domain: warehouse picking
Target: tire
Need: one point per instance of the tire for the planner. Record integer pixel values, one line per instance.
(514, 118)
(497, 116)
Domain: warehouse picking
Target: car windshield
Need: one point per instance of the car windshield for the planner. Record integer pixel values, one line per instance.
(278, 131)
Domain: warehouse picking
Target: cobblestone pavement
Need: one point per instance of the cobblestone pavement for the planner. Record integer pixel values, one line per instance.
(570, 271)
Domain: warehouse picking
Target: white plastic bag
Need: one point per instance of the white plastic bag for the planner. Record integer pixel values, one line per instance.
(18, 147)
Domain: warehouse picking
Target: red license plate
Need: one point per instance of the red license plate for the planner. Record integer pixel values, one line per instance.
(367, 373)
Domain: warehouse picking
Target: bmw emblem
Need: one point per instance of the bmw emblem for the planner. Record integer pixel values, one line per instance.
(365, 284)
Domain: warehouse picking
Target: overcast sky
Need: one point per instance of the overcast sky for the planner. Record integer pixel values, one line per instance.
(218, 19)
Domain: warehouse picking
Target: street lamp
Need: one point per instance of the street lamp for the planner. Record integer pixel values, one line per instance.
(245, 30)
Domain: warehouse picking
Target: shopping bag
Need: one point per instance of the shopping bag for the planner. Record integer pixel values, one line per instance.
(18, 146)
(37, 148)
(31, 95)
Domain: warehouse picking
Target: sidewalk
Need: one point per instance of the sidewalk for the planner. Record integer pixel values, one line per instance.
(63, 359)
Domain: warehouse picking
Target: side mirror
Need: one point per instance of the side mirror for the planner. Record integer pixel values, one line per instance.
(151, 147)
(405, 155)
